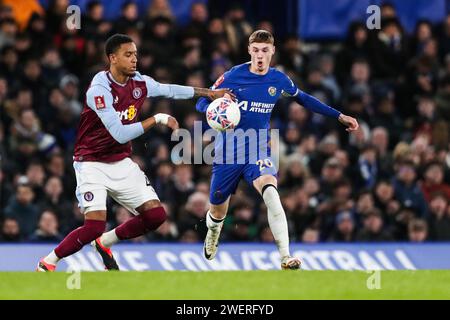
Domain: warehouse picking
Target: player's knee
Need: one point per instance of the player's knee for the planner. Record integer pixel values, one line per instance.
(265, 180)
(154, 217)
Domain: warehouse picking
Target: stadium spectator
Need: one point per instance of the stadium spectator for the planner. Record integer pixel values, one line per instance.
(355, 47)
(384, 197)
(380, 140)
(27, 136)
(198, 25)
(434, 181)
(55, 200)
(194, 211)
(35, 175)
(94, 25)
(69, 86)
(240, 226)
(373, 228)
(422, 33)
(52, 66)
(160, 8)
(407, 190)
(417, 230)
(364, 205)
(47, 228)
(345, 228)
(367, 167)
(162, 181)
(389, 50)
(303, 215)
(388, 10)
(295, 172)
(292, 55)
(8, 32)
(237, 29)
(359, 84)
(183, 183)
(40, 38)
(10, 231)
(21, 208)
(129, 18)
(332, 174)
(160, 39)
(327, 67)
(310, 235)
(439, 219)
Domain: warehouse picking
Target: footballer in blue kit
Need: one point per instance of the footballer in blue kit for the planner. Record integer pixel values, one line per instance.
(257, 87)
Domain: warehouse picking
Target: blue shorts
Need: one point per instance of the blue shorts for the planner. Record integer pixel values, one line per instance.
(225, 177)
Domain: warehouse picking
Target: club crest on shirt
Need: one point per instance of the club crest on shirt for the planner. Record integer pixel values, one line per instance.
(88, 196)
(137, 92)
(272, 91)
(99, 102)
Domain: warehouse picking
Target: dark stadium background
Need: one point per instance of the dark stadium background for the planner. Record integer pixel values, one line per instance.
(390, 181)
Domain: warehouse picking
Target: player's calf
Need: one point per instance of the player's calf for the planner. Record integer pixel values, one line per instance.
(278, 225)
(91, 230)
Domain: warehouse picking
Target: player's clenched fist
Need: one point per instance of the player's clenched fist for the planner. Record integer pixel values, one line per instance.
(166, 120)
(350, 122)
(172, 123)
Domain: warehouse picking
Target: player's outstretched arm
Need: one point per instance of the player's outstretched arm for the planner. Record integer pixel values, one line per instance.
(213, 94)
(315, 105)
(174, 91)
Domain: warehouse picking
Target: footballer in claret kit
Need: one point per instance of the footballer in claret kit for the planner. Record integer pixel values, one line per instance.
(102, 153)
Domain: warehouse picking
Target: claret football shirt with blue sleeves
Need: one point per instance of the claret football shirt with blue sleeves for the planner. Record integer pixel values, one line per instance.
(109, 118)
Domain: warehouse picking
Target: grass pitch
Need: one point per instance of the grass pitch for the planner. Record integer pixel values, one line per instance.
(236, 285)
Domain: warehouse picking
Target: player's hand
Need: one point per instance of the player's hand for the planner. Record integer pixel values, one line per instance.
(349, 122)
(166, 120)
(172, 123)
(219, 93)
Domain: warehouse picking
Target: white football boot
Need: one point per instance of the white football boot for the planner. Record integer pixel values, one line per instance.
(211, 242)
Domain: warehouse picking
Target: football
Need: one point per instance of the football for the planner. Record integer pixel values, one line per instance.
(223, 114)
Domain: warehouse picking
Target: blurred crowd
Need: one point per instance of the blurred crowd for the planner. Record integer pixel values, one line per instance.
(389, 181)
